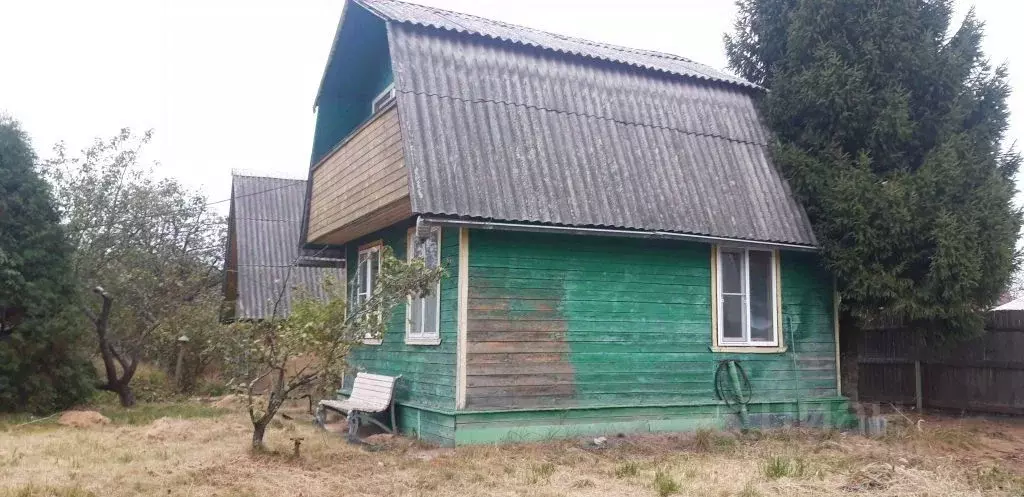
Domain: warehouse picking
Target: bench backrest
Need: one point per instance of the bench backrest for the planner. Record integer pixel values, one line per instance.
(373, 390)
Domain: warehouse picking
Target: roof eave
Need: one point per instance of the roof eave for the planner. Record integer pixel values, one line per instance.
(613, 232)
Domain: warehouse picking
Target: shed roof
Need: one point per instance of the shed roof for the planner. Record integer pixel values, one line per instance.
(508, 123)
(1013, 305)
(266, 216)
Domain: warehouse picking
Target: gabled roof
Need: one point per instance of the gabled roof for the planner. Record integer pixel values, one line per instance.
(266, 215)
(506, 123)
(404, 12)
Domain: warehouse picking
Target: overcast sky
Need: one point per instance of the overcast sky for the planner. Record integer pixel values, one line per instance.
(229, 84)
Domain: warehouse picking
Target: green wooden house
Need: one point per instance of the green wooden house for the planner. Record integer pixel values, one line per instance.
(622, 255)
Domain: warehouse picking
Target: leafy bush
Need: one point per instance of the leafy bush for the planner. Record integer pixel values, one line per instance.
(153, 385)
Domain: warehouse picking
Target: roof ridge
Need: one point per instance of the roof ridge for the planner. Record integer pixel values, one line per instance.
(564, 37)
(239, 173)
(646, 51)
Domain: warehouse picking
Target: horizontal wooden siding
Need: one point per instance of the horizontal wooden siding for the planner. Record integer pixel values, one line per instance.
(361, 186)
(563, 321)
(428, 371)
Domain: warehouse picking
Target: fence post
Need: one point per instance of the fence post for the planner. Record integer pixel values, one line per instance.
(182, 343)
(918, 395)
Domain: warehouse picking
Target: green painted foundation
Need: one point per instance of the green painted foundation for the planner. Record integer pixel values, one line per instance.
(427, 425)
(488, 427)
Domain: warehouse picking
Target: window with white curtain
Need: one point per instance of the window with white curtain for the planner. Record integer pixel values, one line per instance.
(746, 297)
(367, 271)
(423, 312)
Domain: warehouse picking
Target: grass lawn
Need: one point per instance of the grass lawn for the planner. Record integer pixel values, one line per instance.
(190, 449)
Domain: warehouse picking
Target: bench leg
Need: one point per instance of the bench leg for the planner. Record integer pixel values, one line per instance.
(320, 417)
(394, 427)
(353, 426)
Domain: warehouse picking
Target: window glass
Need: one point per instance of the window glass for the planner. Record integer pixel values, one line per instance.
(732, 271)
(732, 317)
(367, 269)
(761, 313)
(361, 281)
(430, 323)
(746, 297)
(422, 315)
(416, 317)
(374, 261)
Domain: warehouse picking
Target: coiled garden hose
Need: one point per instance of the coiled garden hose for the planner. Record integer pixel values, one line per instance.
(732, 385)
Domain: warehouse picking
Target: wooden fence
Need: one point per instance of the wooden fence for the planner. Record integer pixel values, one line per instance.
(984, 375)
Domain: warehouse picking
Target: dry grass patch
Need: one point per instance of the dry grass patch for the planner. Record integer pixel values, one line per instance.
(206, 454)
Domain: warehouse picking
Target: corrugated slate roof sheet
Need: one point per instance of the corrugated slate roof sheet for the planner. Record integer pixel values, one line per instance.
(268, 217)
(393, 10)
(511, 132)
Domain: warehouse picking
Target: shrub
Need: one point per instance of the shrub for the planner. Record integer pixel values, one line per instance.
(153, 385)
(665, 485)
(778, 467)
(628, 469)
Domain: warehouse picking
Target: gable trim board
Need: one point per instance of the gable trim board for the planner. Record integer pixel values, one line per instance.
(463, 323)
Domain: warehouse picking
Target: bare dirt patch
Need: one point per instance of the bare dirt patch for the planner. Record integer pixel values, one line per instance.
(209, 456)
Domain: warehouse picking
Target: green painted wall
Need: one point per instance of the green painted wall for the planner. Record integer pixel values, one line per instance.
(563, 321)
(573, 336)
(360, 70)
(428, 371)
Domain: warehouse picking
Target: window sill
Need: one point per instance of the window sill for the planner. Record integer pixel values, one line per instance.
(423, 341)
(372, 341)
(749, 349)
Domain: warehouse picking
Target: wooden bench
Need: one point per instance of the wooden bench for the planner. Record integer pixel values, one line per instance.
(371, 394)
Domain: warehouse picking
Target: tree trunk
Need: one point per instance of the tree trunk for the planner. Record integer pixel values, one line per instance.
(849, 351)
(259, 428)
(120, 386)
(125, 394)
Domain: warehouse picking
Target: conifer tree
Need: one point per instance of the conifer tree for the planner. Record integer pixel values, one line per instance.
(42, 365)
(889, 123)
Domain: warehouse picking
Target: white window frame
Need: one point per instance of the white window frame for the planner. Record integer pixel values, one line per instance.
(383, 99)
(720, 340)
(361, 296)
(423, 336)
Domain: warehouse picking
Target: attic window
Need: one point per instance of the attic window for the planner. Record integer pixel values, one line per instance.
(386, 97)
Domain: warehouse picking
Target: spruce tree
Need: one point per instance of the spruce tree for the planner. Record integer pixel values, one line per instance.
(42, 365)
(889, 125)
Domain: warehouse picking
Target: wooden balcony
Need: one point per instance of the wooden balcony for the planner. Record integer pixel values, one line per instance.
(362, 185)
